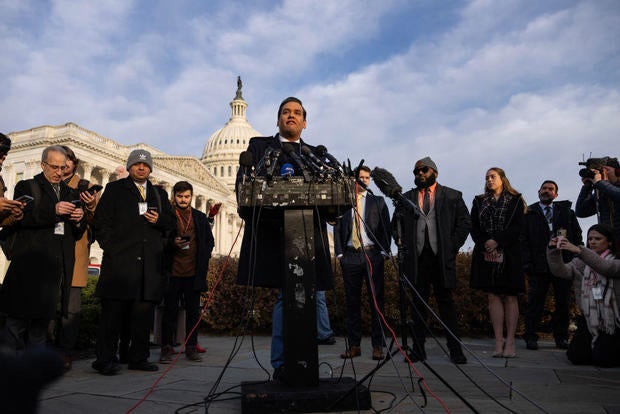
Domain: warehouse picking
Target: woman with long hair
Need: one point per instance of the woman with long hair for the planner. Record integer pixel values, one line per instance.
(496, 262)
(595, 271)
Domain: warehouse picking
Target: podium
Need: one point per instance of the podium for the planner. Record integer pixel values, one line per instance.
(302, 203)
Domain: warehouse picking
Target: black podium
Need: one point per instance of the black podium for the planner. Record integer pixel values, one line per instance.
(301, 390)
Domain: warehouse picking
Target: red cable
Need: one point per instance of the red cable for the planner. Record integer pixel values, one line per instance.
(202, 311)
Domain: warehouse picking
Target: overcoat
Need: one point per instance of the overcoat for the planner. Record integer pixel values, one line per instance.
(133, 248)
(39, 276)
(453, 225)
(507, 278)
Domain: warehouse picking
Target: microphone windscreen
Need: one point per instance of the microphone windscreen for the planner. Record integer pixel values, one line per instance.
(386, 182)
(321, 150)
(288, 148)
(246, 159)
(306, 151)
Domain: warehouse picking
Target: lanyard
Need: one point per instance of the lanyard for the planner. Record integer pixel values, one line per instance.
(182, 220)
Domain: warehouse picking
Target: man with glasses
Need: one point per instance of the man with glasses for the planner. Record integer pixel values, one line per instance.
(432, 236)
(39, 276)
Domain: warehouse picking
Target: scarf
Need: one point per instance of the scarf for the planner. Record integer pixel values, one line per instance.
(494, 213)
(602, 315)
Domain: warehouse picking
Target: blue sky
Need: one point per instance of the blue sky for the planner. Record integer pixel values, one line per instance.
(529, 86)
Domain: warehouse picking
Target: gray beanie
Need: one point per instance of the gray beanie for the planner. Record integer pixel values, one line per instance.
(426, 162)
(140, 155)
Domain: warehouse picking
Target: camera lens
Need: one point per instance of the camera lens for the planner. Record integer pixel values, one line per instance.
(586, 173)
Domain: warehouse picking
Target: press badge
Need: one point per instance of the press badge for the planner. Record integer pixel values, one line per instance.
(59, 228)
(597, 293)
(142, 207)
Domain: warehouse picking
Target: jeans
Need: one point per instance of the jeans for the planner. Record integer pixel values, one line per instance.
(324, 330)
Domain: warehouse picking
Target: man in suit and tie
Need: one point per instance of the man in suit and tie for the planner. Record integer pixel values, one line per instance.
(361, 241)
(430, 238)
(544, 220)
(131, 222)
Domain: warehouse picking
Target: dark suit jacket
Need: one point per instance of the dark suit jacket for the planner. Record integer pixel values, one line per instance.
(535, 234)
(132, 266)
(42, 261)
(376, 223)
(453, 225)
(260, 262)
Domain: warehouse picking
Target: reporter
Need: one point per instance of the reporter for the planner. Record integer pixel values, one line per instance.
(594, 271)
(600, 195)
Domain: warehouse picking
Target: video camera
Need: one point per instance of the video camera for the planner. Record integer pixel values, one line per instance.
(596, 164)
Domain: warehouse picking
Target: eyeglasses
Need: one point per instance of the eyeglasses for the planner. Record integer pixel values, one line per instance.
(56, 167)
(417, 171)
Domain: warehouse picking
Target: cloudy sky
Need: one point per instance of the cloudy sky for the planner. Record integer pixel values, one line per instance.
(530, 86)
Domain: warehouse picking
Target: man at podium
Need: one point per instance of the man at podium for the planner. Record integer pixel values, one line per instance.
(263, 245)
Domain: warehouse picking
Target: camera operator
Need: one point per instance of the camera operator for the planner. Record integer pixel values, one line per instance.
(600, 194)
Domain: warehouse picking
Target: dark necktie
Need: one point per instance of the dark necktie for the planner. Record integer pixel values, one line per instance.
(548, 216)
(56, 188)
(426, 202)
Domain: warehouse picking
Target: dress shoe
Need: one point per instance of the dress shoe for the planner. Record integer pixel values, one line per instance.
(352, 352)
(109, 368)
(457, 357)
(166, 355)
(561, 343)
(330, 340)
(192, 354)
(416, 355)
(67, 363)
(377, 353)
(142, 366)
(531, 344)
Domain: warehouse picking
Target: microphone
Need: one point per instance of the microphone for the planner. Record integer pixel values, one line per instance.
(273, 159)
(320, 163)
(390, 187)
(287, 170)
(290, 151)
(245, 161)
(322, 151)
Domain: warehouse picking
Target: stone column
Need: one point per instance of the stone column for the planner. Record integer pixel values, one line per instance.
(87, 168)
(31, 168)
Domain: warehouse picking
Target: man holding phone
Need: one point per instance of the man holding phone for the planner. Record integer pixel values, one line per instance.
(43, 253)
(10, 210)
(67, 328)
(132, 280)
(190, 250)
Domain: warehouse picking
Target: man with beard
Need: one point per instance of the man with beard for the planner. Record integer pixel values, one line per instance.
(544, 220)
(192, 244)
(430, 238)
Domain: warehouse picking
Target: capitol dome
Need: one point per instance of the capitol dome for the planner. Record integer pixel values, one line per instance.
(221, 154)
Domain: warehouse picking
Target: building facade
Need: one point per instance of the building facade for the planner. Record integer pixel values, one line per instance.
(212, 176)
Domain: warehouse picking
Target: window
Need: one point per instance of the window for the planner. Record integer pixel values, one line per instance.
(229, 171)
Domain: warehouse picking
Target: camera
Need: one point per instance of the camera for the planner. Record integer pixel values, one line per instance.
(596, 164)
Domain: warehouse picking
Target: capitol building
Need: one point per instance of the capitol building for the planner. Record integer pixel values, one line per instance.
(212, 176)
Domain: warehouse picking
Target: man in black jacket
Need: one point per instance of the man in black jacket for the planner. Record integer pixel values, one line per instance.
(132, 221)
(39, 276)
(263, 242)
(543, 221)
(432, 236)
(361, 241)
(191, 246)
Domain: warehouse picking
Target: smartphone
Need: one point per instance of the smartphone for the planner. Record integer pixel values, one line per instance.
(152, 209)
(24, 199)
(76, 203)
(185, 238)
(95, 188)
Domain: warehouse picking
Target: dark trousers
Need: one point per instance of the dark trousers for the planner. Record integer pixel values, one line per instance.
(180, 292)
(355, 271)
(113, 313)
(604, 352)
(68, 328)
(429, 273)
(26, 333)
(538, 286)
